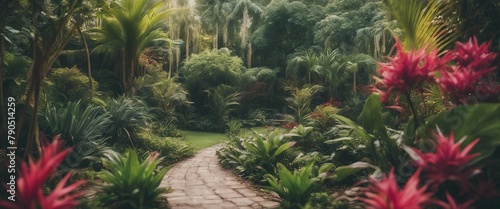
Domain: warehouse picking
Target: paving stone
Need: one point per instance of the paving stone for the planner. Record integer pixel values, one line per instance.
(269, 204)
(247, 192)
(257, 199)
(231, 195)
(241, 201)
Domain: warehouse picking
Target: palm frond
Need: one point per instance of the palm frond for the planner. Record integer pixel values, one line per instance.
(423, 24)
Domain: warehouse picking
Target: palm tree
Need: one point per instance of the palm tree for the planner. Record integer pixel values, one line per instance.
(245, 7)
(187, 21)
(307, 60)
(215, 14)
(127, 28)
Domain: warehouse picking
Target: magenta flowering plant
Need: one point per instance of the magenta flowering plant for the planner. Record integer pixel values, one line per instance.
(386, 194)
(472, 75)
(447, 162)
(33, 175)
(407, 70)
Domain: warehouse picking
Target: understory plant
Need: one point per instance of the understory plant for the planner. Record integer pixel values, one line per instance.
(455, 164)
(220, 105)
(445, 177)
(172, 148)
(80, 125)
(128, 116)
(29, 191)
(295, 188)
(300, 102)
(256, 155)
(130, 182)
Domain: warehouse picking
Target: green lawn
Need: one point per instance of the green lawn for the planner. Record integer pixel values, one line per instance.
(200, 140)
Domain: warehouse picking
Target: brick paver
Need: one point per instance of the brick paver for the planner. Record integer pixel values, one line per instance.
(200, 182)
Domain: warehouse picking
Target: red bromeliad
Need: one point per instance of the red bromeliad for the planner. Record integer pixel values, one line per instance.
(447, 162)
(385, 194)
(473, 62)
(452, 204)
(33, 176)
(407, 70)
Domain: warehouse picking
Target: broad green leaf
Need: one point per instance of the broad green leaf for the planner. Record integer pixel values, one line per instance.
(343, 172)
(474, 121)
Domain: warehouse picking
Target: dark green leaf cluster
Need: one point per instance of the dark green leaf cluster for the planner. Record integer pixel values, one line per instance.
(130, 182)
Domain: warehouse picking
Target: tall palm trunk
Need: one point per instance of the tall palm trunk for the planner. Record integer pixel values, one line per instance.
(123, 72)
(89, 69)
(244, 25)
(225, 34)
(187, 40)
(215, 44)
(249, 56)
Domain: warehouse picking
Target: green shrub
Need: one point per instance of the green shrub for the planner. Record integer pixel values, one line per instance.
(254, 156)
(128, 116)
(220, 105)
(211, 69)
(162, 92)
(322, 117)
(173, 149)
(82, 126)
(208, 70)
(129, 183)
(300, 102)
(68, 84)
(14, 72)
(296, 188)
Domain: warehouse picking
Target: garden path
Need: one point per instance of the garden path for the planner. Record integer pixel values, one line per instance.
(201, 182)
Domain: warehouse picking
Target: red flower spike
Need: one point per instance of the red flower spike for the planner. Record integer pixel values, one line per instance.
(407, 70)
(473, 62)
(453, 205)
(32, 177)
(473, 56)
(447, 162)
(385, 194)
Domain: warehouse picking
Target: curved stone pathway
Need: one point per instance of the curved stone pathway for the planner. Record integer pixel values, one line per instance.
(200, 182)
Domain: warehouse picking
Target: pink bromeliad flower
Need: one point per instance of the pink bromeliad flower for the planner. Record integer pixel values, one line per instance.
(452, 204)
(447, 162)
(407, 70)
(32, 177)
(385, 194)
(473, 62)
(473, 56)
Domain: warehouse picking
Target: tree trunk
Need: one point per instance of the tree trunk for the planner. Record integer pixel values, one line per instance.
(249, 56)
(123, 71)
(354, 82)
(244, 25)
(89, 69)
(225, 34)
(187, 41)
(216, 37)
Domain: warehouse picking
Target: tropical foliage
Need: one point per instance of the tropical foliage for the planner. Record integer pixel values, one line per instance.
(356, 103)
(126, 28)
(130, 182)
(79, 125)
